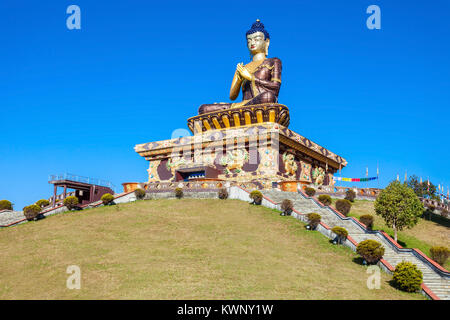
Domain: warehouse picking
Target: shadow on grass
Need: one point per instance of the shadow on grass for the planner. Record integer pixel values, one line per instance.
(358, 260)
(438, 220)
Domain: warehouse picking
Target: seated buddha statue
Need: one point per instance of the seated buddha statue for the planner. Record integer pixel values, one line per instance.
(260, 79)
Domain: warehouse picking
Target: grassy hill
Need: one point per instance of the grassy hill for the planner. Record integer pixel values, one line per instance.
(180, 249)
(424, 235)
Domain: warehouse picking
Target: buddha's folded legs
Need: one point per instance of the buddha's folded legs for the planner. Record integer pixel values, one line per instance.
(206, 108)
(265, 97)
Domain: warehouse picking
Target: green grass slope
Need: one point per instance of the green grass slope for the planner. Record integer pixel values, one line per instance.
(180, 249)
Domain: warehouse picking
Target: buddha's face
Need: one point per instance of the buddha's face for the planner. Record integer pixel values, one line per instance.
(257, 43)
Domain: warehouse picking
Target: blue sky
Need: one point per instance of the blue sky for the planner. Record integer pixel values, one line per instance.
(79, 100)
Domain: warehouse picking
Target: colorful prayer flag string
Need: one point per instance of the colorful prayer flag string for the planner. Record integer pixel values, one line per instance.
(354, 179)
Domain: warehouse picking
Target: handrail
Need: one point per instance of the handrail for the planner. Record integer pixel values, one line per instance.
(77, 178)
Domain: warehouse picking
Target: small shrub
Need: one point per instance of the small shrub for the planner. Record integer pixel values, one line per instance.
(42, 203)
(439, 254)
(179, 193)
(343, 206)
(350, 195)
(325, 199)
(310, 192)
(370, 250)
(71, 202)
(407, 277)
(256, 196)
(107, 199)
(31, 212)
(5, 205)
(314, 220)
(341, 233)
(139, 193)
(367, 219)
(223, 194)
(287, 206)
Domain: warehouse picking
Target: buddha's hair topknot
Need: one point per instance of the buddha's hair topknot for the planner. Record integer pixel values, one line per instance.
(258, 26)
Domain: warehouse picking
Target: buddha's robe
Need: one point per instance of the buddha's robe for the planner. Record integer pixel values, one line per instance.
(263, 89)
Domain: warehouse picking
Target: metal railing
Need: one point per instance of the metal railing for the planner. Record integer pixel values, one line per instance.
(77, 178)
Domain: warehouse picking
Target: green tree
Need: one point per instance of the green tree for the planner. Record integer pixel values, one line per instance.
(399, 206)
(422, 189)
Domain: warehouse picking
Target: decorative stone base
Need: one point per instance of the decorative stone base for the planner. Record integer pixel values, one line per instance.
(259, 154)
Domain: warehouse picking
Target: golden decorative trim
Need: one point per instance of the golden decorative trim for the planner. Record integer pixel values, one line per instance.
(276, 79)
(247, 117)
(265, 66)
(216, 123)
(206, 124)
(253, 105)
(272, 116)
(259, 116)
(226, 121)
(237, 121)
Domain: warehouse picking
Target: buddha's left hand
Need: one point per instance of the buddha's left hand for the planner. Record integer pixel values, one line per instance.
(244, 73)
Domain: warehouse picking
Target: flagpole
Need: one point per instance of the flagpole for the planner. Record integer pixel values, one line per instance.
(378, 178)
(367, 176)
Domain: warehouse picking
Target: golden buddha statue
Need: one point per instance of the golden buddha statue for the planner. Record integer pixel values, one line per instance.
(260, 79)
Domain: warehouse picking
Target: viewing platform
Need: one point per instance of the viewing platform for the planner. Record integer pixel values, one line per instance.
(87, 189)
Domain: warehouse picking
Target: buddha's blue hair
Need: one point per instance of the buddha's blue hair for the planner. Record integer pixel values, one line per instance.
(258, 26)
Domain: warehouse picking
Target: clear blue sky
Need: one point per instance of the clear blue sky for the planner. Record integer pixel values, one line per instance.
(79, 100)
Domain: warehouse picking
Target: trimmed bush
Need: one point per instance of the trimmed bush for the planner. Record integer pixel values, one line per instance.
(223, 194)
(370, 250)
(107, 199)
(310, 192)
(439, 254)
(256, 196)
(350, 195)
(42, 203)
(325, 199)
(343, 206)
(287, 206)
(179, 193)
(139, 193)
(31, 212)
(341, 233)
(407, 277)
(5, 205)
(71, 202)
(367, 219)
(314, 220)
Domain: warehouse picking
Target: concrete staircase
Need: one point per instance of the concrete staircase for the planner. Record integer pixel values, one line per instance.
(438, 282)
(7, 217)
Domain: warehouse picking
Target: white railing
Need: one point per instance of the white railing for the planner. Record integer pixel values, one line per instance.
(77, 178)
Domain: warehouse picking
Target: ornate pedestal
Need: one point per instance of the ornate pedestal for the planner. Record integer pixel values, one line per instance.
(242, 145)
(241, 116)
